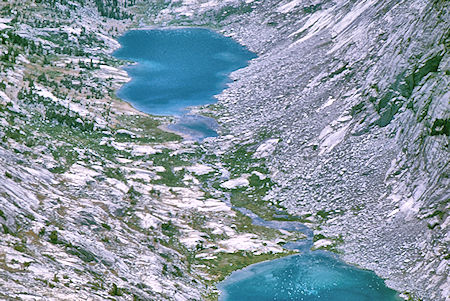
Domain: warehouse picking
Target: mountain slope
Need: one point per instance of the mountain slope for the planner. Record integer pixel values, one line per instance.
(357, 93)
(346, 108)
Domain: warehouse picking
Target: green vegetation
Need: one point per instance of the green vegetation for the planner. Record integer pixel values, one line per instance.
(225, 263)
(115, 291)
(241, 161)
(170, 178)
(149, 129)
(388, 103)
(333, 247)
(169, 161)
(20, 247)
(230, 10)
(169, 229)
(53, 237)
(115, 173)
(440, 127)
(312, 8)
(244, 224)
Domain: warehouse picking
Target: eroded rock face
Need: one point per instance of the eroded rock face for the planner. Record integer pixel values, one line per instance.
(357, 94)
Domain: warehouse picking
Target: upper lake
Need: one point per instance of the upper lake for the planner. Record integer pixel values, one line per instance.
(177, 68)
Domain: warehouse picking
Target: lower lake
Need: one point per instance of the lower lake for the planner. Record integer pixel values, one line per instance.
(312, 276)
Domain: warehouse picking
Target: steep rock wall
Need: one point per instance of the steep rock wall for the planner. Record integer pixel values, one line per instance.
(357, 91)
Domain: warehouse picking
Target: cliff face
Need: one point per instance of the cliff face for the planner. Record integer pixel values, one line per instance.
(357, 92)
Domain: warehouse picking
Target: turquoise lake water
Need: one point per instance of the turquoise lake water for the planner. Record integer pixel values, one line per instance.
(178, 68)
(311, 276)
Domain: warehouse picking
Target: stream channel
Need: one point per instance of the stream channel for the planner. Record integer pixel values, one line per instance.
(179, 68)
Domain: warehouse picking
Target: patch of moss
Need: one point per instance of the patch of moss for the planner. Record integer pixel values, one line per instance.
(226, 263)
(115, 173)
(149, 131)
(229, 10)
